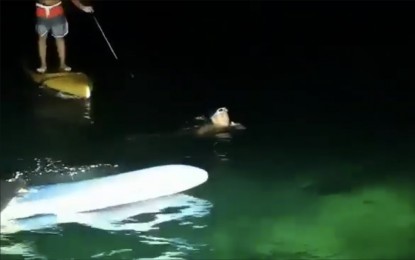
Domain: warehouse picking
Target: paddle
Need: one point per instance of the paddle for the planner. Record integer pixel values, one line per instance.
(107, 41)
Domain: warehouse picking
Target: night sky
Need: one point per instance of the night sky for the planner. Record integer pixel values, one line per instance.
(272, 55)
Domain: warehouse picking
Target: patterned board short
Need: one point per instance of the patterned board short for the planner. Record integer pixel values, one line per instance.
(57, 25)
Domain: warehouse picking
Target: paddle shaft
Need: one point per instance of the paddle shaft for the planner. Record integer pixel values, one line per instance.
(105, 37)
(107, 41)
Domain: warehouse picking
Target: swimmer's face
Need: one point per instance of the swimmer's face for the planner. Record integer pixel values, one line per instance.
(221, 117)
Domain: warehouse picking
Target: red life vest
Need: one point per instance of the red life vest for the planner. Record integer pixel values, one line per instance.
(49, 11)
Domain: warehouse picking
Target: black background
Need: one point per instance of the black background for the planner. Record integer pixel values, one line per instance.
(323, 60)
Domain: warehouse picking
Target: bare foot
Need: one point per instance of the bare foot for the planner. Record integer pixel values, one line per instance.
(41, 69)
(65, 68)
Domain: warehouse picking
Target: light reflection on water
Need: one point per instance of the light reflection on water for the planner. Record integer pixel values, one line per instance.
(51, 105)
(186, 210)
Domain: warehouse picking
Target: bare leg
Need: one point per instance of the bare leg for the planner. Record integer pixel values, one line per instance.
(60, 45)
(42, 53)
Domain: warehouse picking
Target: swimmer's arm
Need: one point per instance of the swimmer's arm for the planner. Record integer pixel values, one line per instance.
(237, 126)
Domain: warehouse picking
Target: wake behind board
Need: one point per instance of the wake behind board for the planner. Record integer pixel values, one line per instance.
(104, 192)
(76, 84)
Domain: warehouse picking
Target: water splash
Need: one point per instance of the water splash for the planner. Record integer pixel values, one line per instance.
(87, 112)
(48, 170)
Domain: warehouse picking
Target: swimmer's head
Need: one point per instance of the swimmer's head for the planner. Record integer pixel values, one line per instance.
(221, 117)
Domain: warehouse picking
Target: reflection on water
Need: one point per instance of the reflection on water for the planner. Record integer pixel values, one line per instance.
(220, 148)
(56, 108)
(183, 210)
(10, 248)
(119, 218)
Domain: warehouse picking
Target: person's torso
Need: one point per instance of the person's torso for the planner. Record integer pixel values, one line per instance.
(48, 2)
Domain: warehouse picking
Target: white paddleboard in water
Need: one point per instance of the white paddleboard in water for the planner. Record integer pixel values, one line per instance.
(182, 208)
(100, 193)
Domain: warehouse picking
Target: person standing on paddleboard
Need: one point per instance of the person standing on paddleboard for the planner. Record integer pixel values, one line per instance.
(51, 17)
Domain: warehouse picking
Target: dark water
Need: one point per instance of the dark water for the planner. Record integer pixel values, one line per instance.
(325, 168)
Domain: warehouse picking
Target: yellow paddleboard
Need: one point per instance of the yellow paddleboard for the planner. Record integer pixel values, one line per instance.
(73, 83)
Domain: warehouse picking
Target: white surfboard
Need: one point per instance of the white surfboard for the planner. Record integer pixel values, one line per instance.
(100, 193)
(182, 207)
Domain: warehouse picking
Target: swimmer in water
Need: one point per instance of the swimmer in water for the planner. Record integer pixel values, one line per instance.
(51, 18)
(219, 123)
